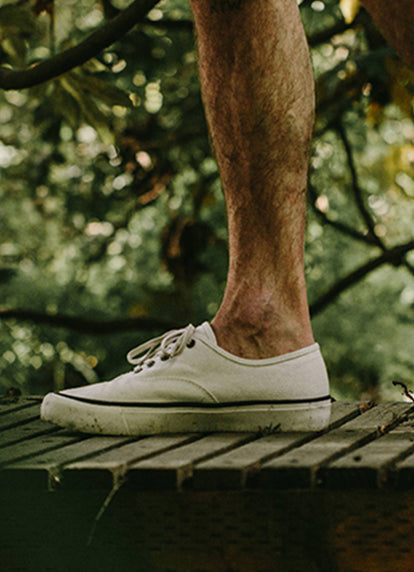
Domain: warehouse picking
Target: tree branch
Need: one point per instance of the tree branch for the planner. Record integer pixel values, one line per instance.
(169, 24)
(409, 267)
(324, 36)
(115, 29)
(375, 239)
(79, 54)
(341, 226)
(366, 215)
(85, 325)
(394, 256)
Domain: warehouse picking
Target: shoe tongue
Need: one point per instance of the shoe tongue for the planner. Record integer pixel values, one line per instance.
(205, 332)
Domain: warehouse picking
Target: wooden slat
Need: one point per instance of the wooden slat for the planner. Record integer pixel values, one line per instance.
(107, 467)
(407, 463)
(32, 447)
(26, 431)
(402, 473)
(172, 468)
(44, 468)
(7, 405)
(71, 452)
(367, 467)
(19, 416)
(300, 467)
(232, 469)
(342, 411)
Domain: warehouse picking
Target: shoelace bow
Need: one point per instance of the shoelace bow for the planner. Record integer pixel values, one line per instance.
(168, 345)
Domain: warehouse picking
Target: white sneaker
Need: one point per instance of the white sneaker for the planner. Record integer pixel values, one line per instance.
(184, 382)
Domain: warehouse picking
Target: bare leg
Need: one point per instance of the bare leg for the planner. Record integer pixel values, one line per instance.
(395, 18)
(258, 94)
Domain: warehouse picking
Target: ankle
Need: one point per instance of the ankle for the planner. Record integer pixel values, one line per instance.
(260, 335)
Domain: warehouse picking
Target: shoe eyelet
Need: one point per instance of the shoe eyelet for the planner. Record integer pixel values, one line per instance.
(150, 363)
(191, 344)
(165, 357)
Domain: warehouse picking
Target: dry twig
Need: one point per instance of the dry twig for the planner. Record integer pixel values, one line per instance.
(406, 391)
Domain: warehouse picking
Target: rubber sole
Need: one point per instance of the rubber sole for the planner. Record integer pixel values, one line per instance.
(134, 421)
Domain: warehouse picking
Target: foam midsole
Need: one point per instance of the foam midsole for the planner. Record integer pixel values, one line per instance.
(145, 420)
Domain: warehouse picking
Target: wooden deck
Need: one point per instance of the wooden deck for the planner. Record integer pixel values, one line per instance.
(342, 499)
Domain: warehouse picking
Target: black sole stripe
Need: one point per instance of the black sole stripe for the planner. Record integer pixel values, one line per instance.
(197, 404)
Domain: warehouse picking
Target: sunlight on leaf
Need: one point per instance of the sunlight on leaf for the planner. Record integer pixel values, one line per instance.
(349, 9)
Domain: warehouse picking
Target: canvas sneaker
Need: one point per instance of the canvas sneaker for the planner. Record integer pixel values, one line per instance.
(184, 382)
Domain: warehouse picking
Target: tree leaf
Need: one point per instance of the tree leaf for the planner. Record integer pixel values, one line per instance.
(66, 105)
(15, 47)
(97, 120)
(349, 9)
(88, 108)
(102, 90)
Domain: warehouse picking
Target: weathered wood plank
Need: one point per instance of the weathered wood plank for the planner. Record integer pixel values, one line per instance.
(15, 417)
(44, 468)
(26, 431)
(7, 405)
(71, 452)
(32, 447)
(233, 469)
(382, 416)
(368, 466)
(172, 468)
(402, 473)
(106, 468)
(342, 411)
(301, 467)
(229, 471)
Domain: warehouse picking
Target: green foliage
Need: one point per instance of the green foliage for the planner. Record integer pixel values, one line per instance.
(112, 206)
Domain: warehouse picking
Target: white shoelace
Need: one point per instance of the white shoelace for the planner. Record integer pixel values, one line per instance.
(168, 345)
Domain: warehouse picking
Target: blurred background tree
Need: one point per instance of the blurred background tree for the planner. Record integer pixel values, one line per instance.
(113, 226)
